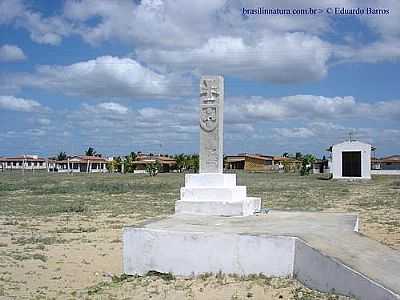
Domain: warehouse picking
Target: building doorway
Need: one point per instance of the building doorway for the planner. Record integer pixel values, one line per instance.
(351, 164)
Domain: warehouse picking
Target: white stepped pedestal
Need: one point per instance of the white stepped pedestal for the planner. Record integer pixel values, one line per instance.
(215, 194)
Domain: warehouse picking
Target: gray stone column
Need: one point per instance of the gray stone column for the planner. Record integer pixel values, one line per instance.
(211, 124)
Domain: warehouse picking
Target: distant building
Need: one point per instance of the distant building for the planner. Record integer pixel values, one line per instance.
(258, 162)
(287, 163)
(351, 160)
(249, 162)
(23, 162)
(142, 161)
(389, 165)
(79, 164)
(320, 166)
(386, 163)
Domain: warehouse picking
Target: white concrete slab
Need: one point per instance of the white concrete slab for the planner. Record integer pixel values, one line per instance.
(326, 254)
(187, 253)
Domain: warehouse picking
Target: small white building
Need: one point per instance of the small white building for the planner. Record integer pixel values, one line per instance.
(351, 160)
(79, 164)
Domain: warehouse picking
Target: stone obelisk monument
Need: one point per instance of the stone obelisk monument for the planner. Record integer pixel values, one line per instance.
(211, 192)
(211, 124)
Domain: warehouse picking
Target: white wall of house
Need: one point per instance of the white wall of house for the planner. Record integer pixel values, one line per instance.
(19, 165)
(75, 167)
(317, 170)
(385, 172)
(98, 167)
(338, 149)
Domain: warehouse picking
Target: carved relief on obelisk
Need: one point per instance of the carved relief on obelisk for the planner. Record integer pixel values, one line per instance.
(211, 124)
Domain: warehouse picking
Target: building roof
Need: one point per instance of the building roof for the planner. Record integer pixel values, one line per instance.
(28, 158)
(281, 158)
(258, 156)
(143, 157)
(351, 143)
(392, 157)
(81, 159)
(152, 159)
(388, 159)
(242, 157)
(231, 158)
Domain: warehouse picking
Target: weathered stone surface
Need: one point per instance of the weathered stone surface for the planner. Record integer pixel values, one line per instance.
(211, 124)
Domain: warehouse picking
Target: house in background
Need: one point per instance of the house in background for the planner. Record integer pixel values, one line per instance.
(167, 163)
(79, 164)
(389, 165)
(23, 162)
(288, 164)
(259, 162)
(321, 166)
(351, 160)
(249, 162)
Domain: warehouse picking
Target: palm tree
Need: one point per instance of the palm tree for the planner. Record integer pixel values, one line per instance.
(90, 152)
(193, 162)
(129, 165)
(180, 162)
(62, 156)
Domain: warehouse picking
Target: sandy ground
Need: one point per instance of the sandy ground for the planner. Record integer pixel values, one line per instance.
(78, 257)
(78, 254)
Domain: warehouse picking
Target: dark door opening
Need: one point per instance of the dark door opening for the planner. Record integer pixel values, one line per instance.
(351, 164)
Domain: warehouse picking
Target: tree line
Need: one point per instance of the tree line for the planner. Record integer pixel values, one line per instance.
(185, 162)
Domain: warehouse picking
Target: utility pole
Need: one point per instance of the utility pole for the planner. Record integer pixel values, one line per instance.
(350, 136)
(23, 165)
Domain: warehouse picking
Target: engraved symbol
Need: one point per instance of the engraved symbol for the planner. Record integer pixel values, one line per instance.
(208, 107)
(208, 118)
(209, 90)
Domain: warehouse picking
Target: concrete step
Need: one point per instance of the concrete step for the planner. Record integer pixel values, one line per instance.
(223, 194)
(210, 180)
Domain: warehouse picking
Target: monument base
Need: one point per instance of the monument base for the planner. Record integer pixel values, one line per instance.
(215, 194)
(321, 250)
(245, 207)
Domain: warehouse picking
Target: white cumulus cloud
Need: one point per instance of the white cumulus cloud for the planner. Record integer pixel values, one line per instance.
(105, 76)
(19, 104)
(44, 30)
(309, 108)
(290, 57)
(113, 107)
(9, 53)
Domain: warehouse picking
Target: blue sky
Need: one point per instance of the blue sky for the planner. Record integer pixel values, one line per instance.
(123, 76)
